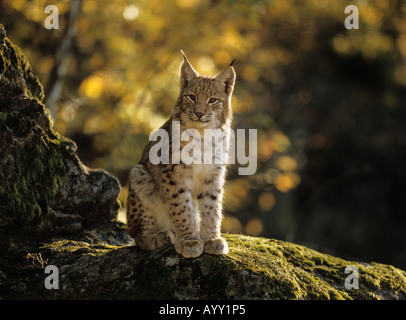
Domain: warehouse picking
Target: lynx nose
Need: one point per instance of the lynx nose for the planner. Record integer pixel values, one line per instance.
(199, 114)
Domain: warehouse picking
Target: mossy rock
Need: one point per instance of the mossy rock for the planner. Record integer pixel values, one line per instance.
(255, 268)
(45, 190)
(31, 153)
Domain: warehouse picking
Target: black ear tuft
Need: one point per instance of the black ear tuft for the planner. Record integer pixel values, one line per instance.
(231, 64)
(183, 54)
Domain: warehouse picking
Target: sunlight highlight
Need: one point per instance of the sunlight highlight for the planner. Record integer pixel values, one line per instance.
(131, 12)
(92, 87)
(187, 4)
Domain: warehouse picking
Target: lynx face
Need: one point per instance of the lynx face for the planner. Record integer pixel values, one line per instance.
(205, 100)
(205, 104)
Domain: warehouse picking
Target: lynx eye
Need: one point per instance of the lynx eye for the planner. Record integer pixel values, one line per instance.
(212, 100)
(192, 97)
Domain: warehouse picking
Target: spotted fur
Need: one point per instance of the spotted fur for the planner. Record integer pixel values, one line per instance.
(181, 204)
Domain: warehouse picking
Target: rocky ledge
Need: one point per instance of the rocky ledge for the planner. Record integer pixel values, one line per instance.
(255, 268)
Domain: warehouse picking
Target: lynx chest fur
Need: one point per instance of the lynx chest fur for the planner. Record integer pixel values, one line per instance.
(176, 190)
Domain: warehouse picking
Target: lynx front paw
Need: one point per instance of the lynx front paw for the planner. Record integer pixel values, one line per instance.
(189, 248)
(216, 246)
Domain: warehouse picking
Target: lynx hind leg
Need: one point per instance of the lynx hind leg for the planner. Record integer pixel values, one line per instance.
(142, 226)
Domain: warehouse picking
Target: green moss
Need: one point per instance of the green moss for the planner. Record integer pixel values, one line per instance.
(296, 272)
(11, 56)
(79, 248)
(255, 268)
(33, 168)
(36, 173)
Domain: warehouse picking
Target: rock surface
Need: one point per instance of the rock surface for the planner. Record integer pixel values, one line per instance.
(45, 189)
(255, 268)
(56, 211)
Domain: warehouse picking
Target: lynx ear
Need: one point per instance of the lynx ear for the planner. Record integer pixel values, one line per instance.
(187, 72)
(227, 77)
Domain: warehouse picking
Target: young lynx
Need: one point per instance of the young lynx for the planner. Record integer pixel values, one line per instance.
(181, 202)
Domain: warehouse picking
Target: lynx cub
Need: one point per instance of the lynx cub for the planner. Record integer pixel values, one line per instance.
(179, 203)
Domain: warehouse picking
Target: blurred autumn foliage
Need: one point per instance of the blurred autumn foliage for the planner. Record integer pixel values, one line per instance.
(328, 103)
